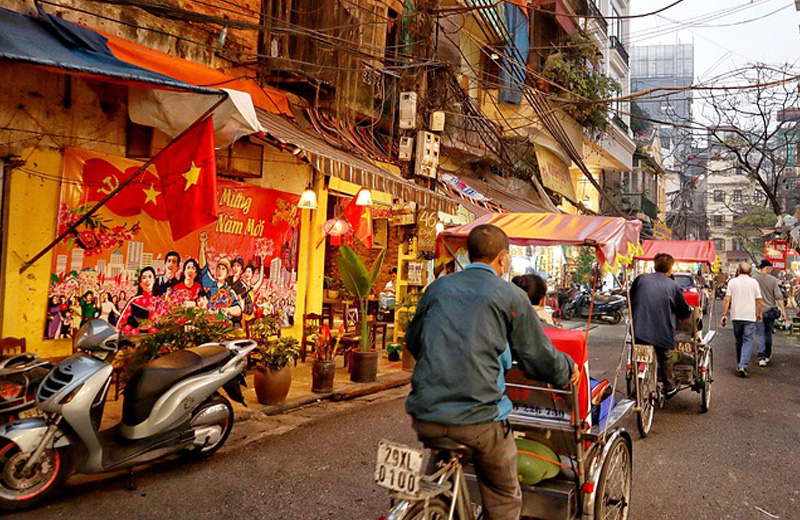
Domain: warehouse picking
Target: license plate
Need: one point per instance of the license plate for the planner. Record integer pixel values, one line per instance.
(398, 467)
(687, 347)
(29, 414)
(643, 353)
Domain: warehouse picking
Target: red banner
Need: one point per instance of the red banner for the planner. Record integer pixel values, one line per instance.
(776, 252)
(124, 266)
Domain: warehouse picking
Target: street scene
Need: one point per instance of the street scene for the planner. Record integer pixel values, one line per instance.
(399, 259)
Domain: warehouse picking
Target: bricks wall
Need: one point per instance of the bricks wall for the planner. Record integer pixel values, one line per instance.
(396, 235)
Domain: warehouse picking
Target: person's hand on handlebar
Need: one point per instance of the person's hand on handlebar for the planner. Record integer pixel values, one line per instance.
(576, 374)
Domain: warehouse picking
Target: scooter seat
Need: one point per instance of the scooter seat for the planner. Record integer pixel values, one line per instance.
(157, 376)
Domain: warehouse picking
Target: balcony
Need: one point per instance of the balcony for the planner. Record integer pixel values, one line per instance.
(640, 203)
(622, 125)
(594, 13)
(616, 44)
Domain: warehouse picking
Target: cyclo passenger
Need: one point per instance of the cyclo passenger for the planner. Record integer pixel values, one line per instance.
(657, 300)
(465, 330)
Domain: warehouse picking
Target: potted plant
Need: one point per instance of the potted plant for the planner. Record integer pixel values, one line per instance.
(359, 283)
(273, 374)
(324, 367)
(405, 312)
(331, 287)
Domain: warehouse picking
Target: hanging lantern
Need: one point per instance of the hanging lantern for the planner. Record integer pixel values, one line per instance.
(308, 200)
(336, 227)
(439, 227)
(364, 197)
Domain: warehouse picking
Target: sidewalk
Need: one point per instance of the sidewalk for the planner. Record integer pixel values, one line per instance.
(390, 375)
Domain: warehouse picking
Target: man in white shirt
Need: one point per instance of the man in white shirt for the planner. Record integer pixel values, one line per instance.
(744, 300)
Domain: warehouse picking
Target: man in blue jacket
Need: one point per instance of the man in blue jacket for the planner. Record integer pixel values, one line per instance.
(466, 328)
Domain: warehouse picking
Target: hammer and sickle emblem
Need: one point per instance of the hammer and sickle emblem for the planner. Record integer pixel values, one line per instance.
(111, 183)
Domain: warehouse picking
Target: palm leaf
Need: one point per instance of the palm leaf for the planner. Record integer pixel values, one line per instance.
(376, 268)
(355, 276)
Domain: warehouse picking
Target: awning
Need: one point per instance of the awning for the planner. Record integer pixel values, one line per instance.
(681, 250)
(347, 166)
(67, 48)
(492, 194)
(610, 235)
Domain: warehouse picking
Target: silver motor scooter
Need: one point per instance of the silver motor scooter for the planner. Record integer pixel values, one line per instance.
(172, 404)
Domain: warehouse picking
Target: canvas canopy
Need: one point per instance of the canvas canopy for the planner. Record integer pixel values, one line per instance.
(681, 250)
(610, 235)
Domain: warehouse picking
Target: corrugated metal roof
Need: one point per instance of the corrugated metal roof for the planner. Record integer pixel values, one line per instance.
(348, 166)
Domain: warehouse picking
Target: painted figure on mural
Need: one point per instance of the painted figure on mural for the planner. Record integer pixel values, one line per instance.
(239, 286)
(171, 278)
(143, 304)
(184, 293)
(53, 317)
(221, 296)
(89, 308)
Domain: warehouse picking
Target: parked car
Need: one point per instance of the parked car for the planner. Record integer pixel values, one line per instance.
(693, 290)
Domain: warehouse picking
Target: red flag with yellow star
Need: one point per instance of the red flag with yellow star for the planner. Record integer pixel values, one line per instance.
(188, 172)
(360, 217)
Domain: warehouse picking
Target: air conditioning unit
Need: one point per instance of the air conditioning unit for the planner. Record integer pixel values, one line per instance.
(427, 154)
(406, 148)
(408, 110)
(437, 121)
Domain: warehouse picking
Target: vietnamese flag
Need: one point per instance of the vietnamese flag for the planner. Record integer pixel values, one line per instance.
(188, 172)
(360, 217)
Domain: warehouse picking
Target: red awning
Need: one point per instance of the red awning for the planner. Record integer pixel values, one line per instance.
(140, 55)
(611, 235)
(681, 250)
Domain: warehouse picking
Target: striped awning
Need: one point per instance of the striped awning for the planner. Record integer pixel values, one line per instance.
(348, 166)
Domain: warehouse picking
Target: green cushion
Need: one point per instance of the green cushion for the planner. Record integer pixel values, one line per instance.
(532, 462)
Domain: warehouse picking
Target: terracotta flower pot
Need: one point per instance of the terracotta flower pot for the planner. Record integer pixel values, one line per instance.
(322, 373)
(364, 366)
(272, 386)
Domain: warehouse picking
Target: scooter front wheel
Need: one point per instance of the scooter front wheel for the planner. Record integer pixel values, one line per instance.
(213, 422)
(20, 489)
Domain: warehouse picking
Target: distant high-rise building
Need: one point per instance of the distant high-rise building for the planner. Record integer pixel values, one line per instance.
(76, 260)
(659, 66)
(135, 250)
(275, 274)
(101, 267)
(147, 260)
(116, 259)
(61, 264)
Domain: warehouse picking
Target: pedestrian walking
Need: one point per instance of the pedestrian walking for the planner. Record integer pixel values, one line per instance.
(773, 308)
(744, 301)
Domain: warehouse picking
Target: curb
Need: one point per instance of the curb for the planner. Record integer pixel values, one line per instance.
(347, 392)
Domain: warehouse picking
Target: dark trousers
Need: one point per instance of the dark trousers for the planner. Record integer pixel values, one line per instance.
(495, 463)
(743, 331)
(764, 330)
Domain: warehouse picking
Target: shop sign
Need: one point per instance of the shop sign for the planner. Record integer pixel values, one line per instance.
(415, 273)
(776, 252)
(555, 174)
(381, 212)
(404, 214)
(461, 187)
(661, 231)
(127, 259)
(426, 229)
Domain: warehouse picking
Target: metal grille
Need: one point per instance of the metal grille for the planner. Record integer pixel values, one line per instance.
(54, 382)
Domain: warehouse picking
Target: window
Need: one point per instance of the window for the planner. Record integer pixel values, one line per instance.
(790, 183)
(737, 195)
(719, 196)
(718, 220)
(758, 196)
(719, 243)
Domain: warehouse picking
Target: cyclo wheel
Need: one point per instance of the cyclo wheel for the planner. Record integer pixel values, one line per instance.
(644, 419)
(708, 378)
(613, 493)
(438, 509)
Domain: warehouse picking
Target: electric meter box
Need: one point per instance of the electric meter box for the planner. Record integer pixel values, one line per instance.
(406, 148)
(408, 110)
(437, 121)
(427, 154)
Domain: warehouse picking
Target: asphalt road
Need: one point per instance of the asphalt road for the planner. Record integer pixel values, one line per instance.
(739, 461)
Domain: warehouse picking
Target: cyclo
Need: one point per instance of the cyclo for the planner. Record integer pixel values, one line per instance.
(587, 450)
(692, 354)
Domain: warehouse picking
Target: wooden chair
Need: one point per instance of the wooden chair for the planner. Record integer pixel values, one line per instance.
(11, 346)
(309, 320)
(795, 325)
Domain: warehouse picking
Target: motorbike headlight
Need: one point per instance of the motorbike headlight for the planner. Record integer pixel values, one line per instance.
(10, 391)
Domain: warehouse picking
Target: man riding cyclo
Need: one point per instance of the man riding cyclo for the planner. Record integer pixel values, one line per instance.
(466, 329)
(657, 300)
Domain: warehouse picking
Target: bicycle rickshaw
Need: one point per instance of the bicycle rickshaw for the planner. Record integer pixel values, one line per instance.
(579, 425)
(692, 354)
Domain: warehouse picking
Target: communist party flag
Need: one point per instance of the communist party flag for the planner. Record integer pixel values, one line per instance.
(188, 172)
(360, 217)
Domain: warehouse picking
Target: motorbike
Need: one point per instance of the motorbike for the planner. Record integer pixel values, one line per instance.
(20, 376)
(171, 405)
(609, 308)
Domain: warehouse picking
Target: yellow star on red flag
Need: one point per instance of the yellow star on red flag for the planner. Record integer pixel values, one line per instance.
(191, 176)
(151, 194)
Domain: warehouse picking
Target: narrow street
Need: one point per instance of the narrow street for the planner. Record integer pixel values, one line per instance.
(737, 462)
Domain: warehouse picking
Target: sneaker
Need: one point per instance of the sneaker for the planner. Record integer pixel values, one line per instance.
(763, 362)
(741, 371)
(671, 393)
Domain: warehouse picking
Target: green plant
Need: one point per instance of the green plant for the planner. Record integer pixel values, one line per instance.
(326, 344)
(329, 283)
(578, 85)
(183, 327)
(359, 283)
(407, 305)
(276, 353)
(583, 271)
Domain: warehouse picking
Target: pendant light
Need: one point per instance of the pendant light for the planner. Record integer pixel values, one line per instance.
(364, 197)
(308, 200)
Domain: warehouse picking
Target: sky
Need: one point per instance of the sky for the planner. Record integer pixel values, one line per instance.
(727, 34)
